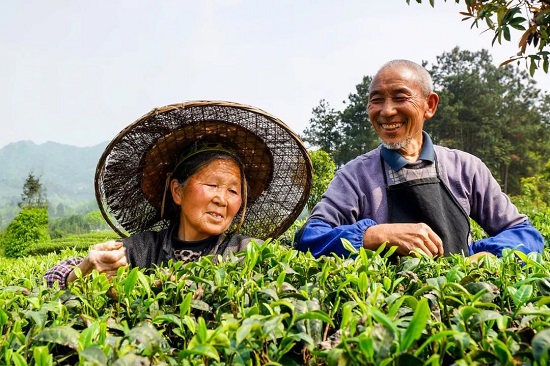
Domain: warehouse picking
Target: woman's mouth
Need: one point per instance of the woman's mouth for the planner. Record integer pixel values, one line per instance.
(216, 216)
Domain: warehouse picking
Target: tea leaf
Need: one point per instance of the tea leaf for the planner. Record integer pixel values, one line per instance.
(317, 315)
(63, 335)
(130, 281)
(417, 324)
(42, 357)
(132, 359)
(522, 295)
(541, 346)
(94, 355)
(384, 320)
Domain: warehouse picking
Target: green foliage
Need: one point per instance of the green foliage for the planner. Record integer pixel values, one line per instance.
(324, 125)
(534, 201)
(343, 134)
(476, 231)
(73, 224)
(358, 134)
(503, 125)
(29, 227)
(273, 305)
(532, 17)
(77, 224)
(323, 172)
(78, 242)
(95, 220)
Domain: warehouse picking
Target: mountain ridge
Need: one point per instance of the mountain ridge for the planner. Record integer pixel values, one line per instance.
(65, 171)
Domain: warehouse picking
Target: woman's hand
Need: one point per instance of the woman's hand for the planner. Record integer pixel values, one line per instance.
(104, 257)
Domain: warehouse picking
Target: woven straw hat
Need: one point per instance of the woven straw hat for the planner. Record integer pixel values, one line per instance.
(131, 173)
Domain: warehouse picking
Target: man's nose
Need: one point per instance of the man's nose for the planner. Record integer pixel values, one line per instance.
(387, 108)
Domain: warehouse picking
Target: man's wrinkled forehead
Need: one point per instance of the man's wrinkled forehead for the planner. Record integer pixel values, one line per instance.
(394, 80)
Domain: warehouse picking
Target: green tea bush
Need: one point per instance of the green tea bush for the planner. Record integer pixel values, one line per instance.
(272, 305)
(28, 228)
(78, 242)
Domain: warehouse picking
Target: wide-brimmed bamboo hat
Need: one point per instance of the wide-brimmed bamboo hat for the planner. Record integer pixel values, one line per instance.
(132, 171)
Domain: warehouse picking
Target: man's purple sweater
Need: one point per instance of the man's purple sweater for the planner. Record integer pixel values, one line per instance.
(356, 199)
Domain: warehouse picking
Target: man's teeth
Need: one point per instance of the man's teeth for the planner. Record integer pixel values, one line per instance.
(391, 126)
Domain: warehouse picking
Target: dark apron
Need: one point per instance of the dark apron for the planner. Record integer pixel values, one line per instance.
(428, 200)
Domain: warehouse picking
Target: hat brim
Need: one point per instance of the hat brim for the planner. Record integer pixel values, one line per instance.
(131, 173)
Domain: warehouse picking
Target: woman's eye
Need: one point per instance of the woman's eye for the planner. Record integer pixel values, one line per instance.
(233, 191)
(375, 100)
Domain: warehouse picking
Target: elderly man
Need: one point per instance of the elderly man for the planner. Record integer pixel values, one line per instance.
(410, 193)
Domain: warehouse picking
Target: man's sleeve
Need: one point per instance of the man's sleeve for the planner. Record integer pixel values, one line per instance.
(499, 217)
(523, 237)
(320, 238)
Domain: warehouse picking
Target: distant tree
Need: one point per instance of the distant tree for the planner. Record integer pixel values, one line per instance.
(532, 17)
(324, 128)
(491, 112)
(34, 194)
(95, 220)
(323, 172)
(73, 224)
(358, 135)
(60, 210)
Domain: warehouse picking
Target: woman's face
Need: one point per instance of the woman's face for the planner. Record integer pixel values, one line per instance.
(209, 200)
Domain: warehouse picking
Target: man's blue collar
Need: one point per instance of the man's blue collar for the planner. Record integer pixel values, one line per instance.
(396, 161)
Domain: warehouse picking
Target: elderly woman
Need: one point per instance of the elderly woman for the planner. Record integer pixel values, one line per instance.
(194, 179)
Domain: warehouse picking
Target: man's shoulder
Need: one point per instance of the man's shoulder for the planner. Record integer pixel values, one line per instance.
(366, 158)
(447, 153)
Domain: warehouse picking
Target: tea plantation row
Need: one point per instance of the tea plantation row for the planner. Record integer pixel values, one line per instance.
(272, 305)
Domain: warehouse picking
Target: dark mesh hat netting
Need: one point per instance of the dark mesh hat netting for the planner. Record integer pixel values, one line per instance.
(132, 172)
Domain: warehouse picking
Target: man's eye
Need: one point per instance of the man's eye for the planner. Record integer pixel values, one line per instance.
(400, 99)
(233, 191)
(375, 100)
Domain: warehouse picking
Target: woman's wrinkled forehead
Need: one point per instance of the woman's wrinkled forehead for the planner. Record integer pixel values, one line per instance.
(220, 164)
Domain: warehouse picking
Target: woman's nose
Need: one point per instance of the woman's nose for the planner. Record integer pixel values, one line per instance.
(220, 197)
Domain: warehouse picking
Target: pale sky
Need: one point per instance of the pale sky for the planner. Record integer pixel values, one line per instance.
(77, 72)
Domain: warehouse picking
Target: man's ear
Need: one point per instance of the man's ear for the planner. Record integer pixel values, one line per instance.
(175, 189)
(433, 101)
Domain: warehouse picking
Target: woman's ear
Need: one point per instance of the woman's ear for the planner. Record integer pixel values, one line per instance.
(433, 101)
(175, 189)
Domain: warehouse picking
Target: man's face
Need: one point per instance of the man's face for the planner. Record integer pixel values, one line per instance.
(397, 109)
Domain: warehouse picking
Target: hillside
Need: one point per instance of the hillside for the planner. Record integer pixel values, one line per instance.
(67, 172)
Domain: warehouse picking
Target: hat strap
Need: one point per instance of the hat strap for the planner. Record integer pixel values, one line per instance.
(166, 185)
